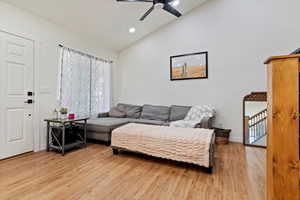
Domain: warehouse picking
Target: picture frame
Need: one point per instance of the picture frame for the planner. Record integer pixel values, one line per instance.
(189, 66)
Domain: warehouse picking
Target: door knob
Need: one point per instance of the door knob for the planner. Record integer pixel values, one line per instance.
(29, 101)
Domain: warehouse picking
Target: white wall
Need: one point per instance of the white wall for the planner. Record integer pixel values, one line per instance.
(46, 36)
(239, 36)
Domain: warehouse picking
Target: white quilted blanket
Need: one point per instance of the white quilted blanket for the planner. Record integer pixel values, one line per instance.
(181, 144)
(194, 117)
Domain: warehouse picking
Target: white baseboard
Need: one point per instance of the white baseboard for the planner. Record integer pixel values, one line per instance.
(236, 139)
(42, 147)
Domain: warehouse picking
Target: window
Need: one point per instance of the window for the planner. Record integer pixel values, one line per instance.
(84, 83)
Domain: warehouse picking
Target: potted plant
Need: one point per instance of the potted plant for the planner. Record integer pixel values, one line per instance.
(63, 112)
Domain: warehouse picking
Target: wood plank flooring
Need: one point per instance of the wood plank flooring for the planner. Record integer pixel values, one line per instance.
(95, 173)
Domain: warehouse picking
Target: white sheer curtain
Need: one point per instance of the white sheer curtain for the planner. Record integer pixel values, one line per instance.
(101, 85)
(84, 83)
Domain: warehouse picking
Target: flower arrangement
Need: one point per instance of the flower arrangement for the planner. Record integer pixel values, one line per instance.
(63, 111)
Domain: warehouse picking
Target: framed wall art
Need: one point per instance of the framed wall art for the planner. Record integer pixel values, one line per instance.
(189, 66)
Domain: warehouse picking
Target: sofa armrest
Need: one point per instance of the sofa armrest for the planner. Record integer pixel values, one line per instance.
(205, 123)
(102, 115)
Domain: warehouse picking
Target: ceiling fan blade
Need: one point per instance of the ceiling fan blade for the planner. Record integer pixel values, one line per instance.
(150, 1)
(147, 13)
(167, 7)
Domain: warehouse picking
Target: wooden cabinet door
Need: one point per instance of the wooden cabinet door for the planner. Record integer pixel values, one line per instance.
(283, 130)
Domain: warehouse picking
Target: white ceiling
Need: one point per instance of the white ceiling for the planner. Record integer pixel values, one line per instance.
(106, 21)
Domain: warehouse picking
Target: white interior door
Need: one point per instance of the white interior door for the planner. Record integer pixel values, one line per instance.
(16, 80)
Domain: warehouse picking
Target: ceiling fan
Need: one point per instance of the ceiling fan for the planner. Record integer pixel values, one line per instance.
(157, 4)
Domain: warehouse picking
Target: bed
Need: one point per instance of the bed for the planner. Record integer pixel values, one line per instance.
(190, 145)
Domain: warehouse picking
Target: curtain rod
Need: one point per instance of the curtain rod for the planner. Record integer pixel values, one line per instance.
(104, 60)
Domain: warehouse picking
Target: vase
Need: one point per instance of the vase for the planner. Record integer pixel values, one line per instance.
(64, 116)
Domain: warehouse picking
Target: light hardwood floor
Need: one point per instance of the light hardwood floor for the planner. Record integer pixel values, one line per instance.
(95, 173)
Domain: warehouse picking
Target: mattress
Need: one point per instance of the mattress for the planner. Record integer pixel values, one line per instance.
(191, 145)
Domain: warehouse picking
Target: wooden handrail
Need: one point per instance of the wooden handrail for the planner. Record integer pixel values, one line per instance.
(261, 120)
(257, 125)
(256, 115)
(258, 118)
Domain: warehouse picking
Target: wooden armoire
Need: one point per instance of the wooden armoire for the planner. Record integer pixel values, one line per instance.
(283, 128)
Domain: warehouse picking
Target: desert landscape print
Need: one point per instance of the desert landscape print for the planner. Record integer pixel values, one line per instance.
(189, 66)
(189, 72)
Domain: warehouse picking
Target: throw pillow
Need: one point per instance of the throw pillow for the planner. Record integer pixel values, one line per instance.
(115, 112)
(131, 111)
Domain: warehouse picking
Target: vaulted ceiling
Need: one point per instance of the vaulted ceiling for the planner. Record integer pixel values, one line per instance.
(106, 21)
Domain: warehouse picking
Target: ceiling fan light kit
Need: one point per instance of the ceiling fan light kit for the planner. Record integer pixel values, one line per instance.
(132, 30)
(175, 3)
(166, 5)
(159, 6)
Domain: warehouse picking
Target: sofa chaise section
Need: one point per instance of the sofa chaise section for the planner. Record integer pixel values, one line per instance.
(100, 128)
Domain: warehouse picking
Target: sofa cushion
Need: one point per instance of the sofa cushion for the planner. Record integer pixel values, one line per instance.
(131, 111)
(146, 121)
(151, 112)
(105, 124)
(179, 112)
(115, 112)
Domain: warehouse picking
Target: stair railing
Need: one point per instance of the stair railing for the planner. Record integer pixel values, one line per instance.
(257, 126)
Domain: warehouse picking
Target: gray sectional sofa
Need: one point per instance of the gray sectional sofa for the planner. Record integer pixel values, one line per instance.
(100, 128)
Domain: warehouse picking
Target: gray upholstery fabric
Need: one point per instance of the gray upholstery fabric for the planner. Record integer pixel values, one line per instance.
(115, 112)
(106, 137)
(205, 123)
(105, 124)
(155, 112)
(166, 124)
(146, 121)
(178, 112)
(132, 111)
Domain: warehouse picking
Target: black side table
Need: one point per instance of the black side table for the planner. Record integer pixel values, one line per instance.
(56, 133)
